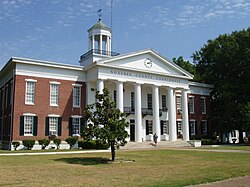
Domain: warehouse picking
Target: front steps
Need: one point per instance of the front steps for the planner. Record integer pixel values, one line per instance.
(150, 145)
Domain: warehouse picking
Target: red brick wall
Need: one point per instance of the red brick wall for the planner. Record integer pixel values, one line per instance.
(198, 116)
(42, 106)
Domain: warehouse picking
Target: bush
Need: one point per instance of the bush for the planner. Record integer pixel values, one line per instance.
(93, 144)
(87, 144)
(57, 142)
(28, 144)
(44, 143)
(207, 142)
(71, 141)
(101, 145)
(15, 144)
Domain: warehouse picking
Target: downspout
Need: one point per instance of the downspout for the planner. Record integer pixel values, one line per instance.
(12, 108)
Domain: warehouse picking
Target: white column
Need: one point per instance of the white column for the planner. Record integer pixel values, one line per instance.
(100, 44)
(156, 114)
(138, 116)
(171, 115)
(185, 124)
(100, 85)
(119, 98)
(93, 42)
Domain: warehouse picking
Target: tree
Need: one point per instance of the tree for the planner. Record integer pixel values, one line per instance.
(225, 63)
(186, 65)
(105, 122)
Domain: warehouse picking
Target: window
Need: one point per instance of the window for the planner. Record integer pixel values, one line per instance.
(54, 92)
(30, 92)
(132, 100)
(2, 99)
(75, 126)
(178, 104)
(76, 96)
(204, 127)
(53, 126)
(164, 127)
(115, 96)
(149, 99)
(203, 105)
(191, 105)
(164, 103)
(6, 95)
(11, 92)
(192, 127)
(149, 127)
(28, 125)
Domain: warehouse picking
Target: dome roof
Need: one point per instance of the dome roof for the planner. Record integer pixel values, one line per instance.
(99, 25)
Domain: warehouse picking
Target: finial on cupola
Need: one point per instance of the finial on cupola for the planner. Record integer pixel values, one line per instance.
(99, 13)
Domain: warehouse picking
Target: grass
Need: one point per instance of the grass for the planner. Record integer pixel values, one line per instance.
(228, 147)
(151, 168)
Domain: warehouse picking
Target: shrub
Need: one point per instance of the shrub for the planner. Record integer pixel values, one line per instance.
(57, 142)
(93, 144)
(207, 142)
(29, 144)
(44, 143)
(15, 144)
(87, 144)
(101, 145)
(71, 141)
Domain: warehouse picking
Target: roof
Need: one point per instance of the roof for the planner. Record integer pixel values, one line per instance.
(99, 25)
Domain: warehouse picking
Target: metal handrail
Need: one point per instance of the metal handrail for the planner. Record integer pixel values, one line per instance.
(100, 52)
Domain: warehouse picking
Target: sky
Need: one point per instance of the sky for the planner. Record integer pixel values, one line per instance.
(56, 30)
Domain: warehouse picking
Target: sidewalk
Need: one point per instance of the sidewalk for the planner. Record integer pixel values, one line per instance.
(233, 182)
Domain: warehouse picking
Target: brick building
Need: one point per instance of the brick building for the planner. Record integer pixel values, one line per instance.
(40, 99)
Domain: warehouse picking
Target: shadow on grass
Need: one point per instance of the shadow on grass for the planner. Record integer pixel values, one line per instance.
(85, 161)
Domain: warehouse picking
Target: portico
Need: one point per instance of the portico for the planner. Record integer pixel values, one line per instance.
(143, 84)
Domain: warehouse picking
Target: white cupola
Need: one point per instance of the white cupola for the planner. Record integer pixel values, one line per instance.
(99, 38)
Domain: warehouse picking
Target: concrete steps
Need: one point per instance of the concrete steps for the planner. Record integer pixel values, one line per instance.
(150, 145)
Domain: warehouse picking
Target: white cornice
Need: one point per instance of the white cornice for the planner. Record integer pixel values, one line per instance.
(46, 63)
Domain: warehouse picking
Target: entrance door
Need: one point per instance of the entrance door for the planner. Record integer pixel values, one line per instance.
(132, 130)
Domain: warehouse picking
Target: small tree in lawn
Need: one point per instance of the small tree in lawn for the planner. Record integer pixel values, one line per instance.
(105, 122)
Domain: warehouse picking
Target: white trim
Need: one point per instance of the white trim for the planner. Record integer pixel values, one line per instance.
(76, 116)
(29, 114)
(54, 82)
(30, 80)
(77, 85)
(54, 115)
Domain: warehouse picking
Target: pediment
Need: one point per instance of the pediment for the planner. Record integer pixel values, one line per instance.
(146, 61)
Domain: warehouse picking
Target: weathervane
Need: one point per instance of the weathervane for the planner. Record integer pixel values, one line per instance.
(99, 13)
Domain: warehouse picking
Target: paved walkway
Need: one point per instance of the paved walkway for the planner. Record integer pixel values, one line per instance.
(233, 182)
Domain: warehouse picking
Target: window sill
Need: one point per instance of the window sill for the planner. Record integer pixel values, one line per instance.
(32, 104)
(53, 105)
(28, 135)
(76, 106)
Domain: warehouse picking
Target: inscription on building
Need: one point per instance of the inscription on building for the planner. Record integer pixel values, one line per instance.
(144, 76)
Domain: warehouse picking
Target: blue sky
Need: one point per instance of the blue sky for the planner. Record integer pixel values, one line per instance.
(56, 30)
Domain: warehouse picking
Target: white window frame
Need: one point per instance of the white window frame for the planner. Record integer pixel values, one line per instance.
(204, 122)
(76, 99)
(178, 103)
(203, 105)
(53, 126)
(54, 94)
(28, 124)
(192, 124)
(191, 104)
(76, 124)
(30, 99)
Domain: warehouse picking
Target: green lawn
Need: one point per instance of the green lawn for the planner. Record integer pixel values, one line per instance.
(228, 147)
(150, 168)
